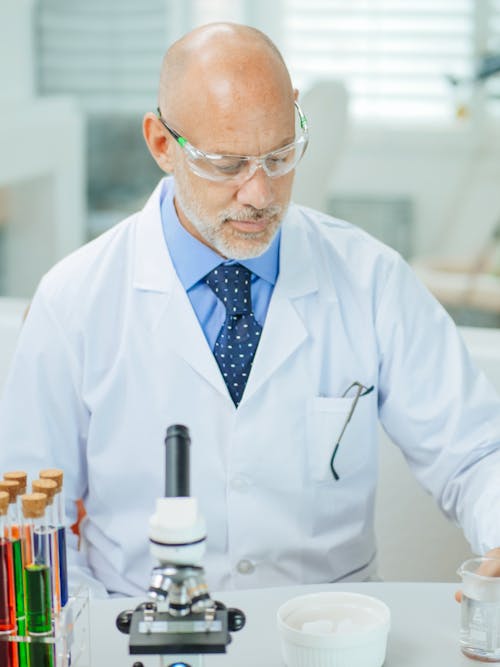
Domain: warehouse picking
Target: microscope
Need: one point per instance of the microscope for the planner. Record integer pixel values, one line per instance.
(180, 622)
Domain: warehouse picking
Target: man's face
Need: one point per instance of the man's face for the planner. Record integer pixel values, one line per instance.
(237, 221)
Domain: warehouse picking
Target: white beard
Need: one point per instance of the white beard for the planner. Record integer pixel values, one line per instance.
(220, 235)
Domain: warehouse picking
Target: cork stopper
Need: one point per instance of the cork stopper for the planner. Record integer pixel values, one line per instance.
(33, 505)
(4, 502)
(18, 476)
(11, 487)
(55, 474)
(47, 486)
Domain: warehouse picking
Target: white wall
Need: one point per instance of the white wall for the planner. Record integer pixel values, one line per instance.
(16, 50)
(11, 317)
(451, 173)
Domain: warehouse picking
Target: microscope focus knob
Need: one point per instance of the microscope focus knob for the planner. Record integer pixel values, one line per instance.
(123, 621)
(235, 619)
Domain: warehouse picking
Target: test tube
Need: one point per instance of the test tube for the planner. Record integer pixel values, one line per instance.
(21, 477)
(49, 487)
(57, 475)
(8, 650)
(13, 488)
(37, 579)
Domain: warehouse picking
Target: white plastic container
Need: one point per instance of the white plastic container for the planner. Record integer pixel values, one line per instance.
(334, 630)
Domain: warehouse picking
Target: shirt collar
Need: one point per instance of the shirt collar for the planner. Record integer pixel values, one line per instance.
(192, 259)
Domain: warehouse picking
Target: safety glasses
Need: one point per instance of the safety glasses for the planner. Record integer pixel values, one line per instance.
(237, 169)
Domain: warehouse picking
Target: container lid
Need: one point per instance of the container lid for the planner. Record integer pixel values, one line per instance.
(34, 505)
(47, 486)
(11, 487)
(4, 502)
(56, 474)
(18, 476)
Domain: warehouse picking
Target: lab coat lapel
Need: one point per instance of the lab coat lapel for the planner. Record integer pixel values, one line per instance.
(284, 331)
(185, 338)
(169, 312)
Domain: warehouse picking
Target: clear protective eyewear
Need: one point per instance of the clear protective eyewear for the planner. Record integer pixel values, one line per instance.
(240, 168)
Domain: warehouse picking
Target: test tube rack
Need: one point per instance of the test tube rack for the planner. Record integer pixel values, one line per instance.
(70, 637)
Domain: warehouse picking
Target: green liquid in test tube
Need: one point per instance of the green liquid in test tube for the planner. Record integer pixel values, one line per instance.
(15, 484)
(49, 488)
(39, 618)
(37, 577)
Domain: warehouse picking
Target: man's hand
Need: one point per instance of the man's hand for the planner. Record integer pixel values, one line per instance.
(486, 569)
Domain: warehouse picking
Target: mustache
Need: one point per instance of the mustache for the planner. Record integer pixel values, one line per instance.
(252, 213)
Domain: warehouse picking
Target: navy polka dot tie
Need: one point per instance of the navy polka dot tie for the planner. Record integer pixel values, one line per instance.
(240, 334)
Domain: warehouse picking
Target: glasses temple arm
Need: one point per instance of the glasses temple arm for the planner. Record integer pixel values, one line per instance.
(180, 139)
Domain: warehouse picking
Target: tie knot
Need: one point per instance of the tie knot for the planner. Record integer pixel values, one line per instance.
(231, 284)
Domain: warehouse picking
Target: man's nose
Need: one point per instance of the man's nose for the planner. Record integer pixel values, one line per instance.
(257, 191)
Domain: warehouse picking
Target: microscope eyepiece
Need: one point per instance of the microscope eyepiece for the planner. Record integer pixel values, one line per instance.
(177, 444)
(178, 430)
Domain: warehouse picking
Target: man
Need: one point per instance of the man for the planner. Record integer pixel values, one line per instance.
(276, 334)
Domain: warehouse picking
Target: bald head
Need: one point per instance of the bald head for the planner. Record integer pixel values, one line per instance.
(221, 65)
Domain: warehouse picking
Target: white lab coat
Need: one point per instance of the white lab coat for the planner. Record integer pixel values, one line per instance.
(112, 353)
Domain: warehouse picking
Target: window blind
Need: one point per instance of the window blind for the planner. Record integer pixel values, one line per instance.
(492, 47)
(107, 53)
(393, 55)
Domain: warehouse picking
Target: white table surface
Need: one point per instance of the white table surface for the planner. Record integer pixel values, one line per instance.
(424, 633)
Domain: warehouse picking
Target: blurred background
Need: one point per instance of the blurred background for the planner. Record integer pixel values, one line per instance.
(402, 99)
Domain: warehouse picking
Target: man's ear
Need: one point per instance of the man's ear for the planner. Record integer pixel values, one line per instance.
(161, 145)
(295, 94)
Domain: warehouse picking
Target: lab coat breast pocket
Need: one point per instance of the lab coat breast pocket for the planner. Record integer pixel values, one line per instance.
(326, 418)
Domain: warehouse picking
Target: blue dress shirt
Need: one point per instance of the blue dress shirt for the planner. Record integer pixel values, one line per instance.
(192, 260)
